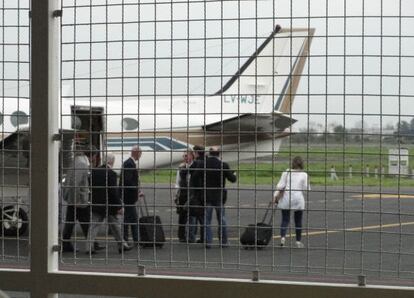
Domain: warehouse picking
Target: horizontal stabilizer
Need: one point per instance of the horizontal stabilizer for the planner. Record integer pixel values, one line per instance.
(248, 123)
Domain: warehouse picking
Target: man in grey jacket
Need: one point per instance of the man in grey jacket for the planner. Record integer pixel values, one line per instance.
(76, 195)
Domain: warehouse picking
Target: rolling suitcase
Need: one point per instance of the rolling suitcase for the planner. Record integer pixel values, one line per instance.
(151, 232)
(258, 235)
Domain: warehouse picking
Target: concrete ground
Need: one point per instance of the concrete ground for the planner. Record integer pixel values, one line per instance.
(347, 232)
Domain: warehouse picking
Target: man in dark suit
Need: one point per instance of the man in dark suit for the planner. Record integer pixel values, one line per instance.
(217, 172)
(129, 184)
(105, 204)
(182, 195)
(197, 195)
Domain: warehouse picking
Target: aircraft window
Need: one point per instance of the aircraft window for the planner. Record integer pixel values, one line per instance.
(170, 143)
(18, 118)
(129, 124)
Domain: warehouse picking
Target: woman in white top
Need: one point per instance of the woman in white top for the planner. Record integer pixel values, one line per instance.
(292, 182)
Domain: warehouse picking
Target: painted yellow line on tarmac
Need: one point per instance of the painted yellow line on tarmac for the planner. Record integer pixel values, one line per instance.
(383, 196)
(316, 233)
(356, 229)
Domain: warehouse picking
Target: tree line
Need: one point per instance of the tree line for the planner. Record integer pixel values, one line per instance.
(402, 132)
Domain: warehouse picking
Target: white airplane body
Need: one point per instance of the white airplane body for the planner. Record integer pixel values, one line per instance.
(247, 117)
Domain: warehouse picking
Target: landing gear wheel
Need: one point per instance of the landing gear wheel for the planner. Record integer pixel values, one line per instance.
(13, 222)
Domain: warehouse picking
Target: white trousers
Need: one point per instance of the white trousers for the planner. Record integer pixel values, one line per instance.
(97, 221)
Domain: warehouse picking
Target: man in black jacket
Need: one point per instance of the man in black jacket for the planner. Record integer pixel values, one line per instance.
(182, 182)
(217, 172)
(129, 184)
(105, 204)
(197, 195)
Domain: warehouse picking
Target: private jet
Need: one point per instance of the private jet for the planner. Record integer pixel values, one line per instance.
(247, 117)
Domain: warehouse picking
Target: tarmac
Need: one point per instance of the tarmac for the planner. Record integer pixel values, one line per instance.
(347, 232)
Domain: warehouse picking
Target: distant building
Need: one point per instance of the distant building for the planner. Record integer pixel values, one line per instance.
(398, 163)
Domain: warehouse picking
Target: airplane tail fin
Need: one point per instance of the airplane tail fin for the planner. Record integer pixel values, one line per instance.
(271, 74)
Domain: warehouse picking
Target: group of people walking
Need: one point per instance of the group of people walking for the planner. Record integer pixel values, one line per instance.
(201, 189)
(93, 194)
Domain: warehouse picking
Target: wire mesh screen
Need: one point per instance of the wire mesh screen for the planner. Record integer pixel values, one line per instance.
(224, 137)
(14, 131)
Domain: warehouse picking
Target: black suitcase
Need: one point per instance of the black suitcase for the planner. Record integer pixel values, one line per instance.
(151, 232)
(258, 235)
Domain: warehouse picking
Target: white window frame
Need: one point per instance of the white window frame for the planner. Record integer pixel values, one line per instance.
(45, 280)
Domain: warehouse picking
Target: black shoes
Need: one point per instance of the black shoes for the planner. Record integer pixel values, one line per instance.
(67, 247)
(95, 249)
(124, 247)
(96, 246)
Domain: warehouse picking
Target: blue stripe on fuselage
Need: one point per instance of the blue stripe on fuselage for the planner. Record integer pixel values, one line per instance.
(158, 144)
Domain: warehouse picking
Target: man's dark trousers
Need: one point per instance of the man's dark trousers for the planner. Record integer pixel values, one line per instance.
(131, 220)
(82, 215)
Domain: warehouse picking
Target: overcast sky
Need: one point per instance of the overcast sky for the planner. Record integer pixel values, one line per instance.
(363, 85)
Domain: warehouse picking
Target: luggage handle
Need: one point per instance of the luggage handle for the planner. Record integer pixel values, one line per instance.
(269, 207)
(145, 204)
